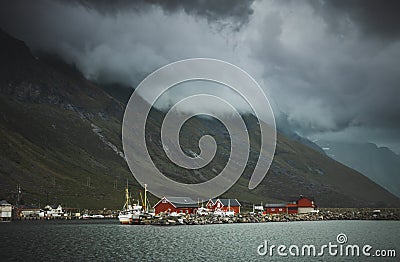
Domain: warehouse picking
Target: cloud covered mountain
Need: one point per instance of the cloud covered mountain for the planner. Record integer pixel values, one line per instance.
(61, 141)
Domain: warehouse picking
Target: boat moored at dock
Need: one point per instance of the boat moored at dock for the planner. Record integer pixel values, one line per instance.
(131, 213)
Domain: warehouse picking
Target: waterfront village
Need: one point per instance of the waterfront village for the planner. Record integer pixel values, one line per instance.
(183, 210)
(169, 206)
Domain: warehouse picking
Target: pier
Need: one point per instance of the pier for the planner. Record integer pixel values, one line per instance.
(322, 215)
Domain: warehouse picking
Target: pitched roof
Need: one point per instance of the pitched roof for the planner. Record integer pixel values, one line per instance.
(233, 202)
(182, 201)
(4, 202)
(276, 205)
(28, 207)
(301, 197)
(212, 201)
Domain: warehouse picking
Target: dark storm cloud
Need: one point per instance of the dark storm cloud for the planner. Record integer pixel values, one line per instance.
(375, 18)
(238, 11)
(331, 67)
(124, 41)
(331, 79)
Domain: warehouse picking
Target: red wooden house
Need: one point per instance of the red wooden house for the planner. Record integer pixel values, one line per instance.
(305, 205)
(302, 206)
(292, 208)
(184, 205)
(276, 208)
(224, 204)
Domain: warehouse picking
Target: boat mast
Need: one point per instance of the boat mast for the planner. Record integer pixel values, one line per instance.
(145, 198)
(127, 197)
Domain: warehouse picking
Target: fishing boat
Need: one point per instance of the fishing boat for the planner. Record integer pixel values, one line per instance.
(130, 214)
(202, 211)
(86, 216)
(218, 213)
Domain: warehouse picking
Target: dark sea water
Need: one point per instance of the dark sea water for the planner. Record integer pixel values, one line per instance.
(106, 240)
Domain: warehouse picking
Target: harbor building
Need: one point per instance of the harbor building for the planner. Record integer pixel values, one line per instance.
(303, 205)
(184, 205)
(224, 204)
(278, 208)
(52, 211)
(28, 211)
(5, 211)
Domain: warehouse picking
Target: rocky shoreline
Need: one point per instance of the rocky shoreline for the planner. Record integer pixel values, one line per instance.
(322, 215)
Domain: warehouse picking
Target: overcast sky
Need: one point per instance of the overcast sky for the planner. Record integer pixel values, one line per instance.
(330, 68)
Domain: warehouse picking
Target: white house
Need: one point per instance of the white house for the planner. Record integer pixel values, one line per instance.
(52, 211)
(5, 211)
(30, 212)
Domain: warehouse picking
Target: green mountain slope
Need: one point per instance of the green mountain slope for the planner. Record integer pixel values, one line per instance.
(48, 141)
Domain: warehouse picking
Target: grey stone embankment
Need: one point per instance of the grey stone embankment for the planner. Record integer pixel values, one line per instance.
(322, 215)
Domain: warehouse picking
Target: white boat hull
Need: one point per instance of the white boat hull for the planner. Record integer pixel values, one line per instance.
(125, 219)
(130, 218)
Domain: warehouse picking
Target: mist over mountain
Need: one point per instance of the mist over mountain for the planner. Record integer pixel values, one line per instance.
(380, 164)
(331, 67)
